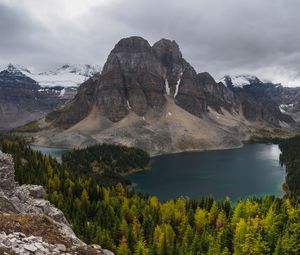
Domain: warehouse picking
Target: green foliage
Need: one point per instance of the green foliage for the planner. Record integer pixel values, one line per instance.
(290, 157)
(106, 157)
(119, 219)
(106, 163)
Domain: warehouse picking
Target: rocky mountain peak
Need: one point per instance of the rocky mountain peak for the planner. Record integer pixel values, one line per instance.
(132, 44)
(12, 69)
(168, 51)
(13, 74)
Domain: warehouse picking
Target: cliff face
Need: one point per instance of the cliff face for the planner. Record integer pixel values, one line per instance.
(139, 78)
(31, 225)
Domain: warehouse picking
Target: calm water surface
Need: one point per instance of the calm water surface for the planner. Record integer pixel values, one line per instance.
(251, 170)
(54, 152)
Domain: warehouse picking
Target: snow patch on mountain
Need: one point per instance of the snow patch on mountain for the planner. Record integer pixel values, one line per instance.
(286, 107)
(167, 87)
(240, 81)
(65, 76)
(177, 85)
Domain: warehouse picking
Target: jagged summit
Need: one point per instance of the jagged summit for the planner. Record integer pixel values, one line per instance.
(169, 47)
(132, 44)
(12, 69)
(13, 74)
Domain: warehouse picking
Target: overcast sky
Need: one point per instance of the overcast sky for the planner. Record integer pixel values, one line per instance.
(260, 37)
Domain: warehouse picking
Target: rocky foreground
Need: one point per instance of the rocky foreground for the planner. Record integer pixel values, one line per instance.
(31, 225)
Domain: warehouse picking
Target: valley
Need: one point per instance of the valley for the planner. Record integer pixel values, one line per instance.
(149, 127)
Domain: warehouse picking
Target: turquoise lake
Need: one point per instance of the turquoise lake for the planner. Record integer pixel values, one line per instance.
(253, 169)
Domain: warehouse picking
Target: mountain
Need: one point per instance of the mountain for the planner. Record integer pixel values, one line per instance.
(25, 97)
(284, 99)
(31, 225)
(150, 97)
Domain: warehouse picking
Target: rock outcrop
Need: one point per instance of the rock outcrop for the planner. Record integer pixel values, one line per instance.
(31, 225)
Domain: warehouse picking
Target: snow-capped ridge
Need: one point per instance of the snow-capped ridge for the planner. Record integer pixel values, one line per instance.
(68, 75)
(79, 69)
(240, 81)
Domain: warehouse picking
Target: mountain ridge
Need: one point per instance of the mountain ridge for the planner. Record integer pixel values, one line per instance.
(67, 75)
(25, 96)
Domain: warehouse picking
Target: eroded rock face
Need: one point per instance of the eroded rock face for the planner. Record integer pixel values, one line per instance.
(216, 94)
(7, 173)
(137, 77)
(23, 209)
(132, 79)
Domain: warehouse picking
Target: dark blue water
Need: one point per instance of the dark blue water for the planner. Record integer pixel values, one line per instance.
(251, 170)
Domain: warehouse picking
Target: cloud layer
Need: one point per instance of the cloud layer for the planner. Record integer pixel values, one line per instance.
(218, 36)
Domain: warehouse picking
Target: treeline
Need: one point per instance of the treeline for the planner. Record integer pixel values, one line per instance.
(134, 224)
(290, 157)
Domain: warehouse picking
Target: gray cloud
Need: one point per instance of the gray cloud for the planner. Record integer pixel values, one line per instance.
(219, 36)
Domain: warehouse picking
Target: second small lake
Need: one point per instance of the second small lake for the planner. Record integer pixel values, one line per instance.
(54, 152)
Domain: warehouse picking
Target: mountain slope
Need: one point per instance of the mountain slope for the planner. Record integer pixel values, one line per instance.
(25, 97)
(275, 97)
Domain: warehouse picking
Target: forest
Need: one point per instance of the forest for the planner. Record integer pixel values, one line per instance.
(128, 223)
(290, 157)
(106, 157)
